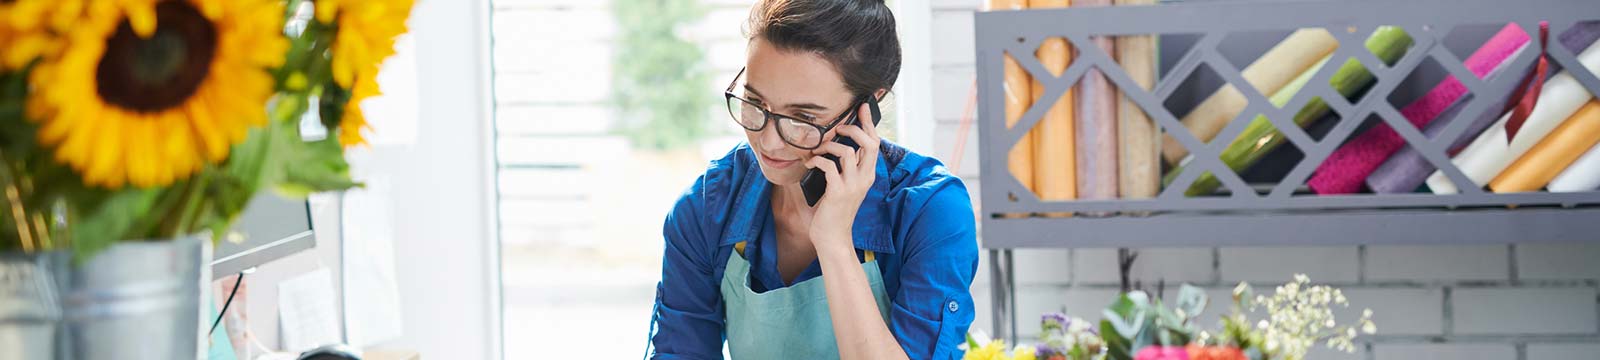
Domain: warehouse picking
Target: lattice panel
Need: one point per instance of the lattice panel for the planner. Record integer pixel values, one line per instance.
(1428, 22)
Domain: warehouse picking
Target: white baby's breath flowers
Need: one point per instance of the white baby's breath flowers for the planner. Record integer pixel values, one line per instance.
(1299, 315)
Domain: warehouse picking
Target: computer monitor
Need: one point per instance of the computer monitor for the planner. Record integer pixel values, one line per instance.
(272, 227)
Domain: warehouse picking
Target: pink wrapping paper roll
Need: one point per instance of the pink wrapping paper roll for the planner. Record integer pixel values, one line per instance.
(1348, 167)
(1096, 120)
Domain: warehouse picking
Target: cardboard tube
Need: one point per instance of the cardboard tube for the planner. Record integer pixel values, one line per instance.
(1268, 74)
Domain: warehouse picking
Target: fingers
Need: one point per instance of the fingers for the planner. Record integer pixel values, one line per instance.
(829, 170)
(868, 123)
(869, 146)
(847, 156)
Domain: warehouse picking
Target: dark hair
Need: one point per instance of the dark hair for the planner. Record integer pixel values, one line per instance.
(857, 36)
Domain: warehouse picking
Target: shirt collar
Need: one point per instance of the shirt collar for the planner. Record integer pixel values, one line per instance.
(870, 230)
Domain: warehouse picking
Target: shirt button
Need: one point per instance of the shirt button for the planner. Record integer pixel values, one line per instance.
(953, 306)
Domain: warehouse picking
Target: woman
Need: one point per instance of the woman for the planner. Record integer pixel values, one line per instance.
(878, 269)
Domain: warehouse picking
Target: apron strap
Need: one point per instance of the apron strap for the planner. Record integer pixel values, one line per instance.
(868, 256)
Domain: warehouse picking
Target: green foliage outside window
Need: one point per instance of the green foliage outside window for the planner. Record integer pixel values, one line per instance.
(661, 84)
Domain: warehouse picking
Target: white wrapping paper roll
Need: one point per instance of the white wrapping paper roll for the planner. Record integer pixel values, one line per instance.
(1489, 154)
(1582, 175)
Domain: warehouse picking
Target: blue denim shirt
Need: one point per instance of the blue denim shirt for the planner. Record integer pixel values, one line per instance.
(917, 217)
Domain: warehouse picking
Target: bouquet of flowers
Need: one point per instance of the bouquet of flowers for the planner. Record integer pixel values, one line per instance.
(126, 120)
(1138, 327)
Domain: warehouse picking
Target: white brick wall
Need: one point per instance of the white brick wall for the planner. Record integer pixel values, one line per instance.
(1501, 302)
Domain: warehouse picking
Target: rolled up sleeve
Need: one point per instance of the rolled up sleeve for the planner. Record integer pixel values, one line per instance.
(933, 308)
(689, 316)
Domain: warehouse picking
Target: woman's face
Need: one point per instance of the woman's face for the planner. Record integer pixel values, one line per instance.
(794, 83)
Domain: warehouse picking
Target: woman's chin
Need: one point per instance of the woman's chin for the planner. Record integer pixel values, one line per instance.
(787, 176)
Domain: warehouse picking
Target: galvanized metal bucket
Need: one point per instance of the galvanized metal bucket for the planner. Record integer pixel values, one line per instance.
(134, 301)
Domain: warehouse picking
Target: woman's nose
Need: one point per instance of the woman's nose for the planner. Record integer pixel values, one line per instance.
(770, 140)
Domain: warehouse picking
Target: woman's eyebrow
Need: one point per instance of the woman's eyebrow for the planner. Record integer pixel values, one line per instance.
(799, 106)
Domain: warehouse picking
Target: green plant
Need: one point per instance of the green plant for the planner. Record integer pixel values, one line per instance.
(1135, 321)
(661, 84)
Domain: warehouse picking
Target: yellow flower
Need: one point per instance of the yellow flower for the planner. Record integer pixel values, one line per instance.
(146, 92)
(1026, 353)
(366, 36)
(994, 350)
(25, 29)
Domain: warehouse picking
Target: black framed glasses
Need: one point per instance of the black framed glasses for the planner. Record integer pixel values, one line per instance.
(753, 116)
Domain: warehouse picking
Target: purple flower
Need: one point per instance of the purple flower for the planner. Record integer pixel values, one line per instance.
(1044, 351)
(1055, 321)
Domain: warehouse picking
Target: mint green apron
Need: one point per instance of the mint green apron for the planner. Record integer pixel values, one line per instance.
(785, 323)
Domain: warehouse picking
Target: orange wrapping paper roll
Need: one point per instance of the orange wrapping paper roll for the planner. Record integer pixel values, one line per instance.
(1018, 96)
(1054, 159)
(1553, 154)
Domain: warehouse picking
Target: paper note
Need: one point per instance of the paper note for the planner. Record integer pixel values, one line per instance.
(307, 317)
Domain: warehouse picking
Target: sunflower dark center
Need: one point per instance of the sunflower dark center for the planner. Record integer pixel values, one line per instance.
(159, 72)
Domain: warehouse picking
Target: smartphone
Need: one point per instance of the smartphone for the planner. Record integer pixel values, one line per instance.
(815, 183)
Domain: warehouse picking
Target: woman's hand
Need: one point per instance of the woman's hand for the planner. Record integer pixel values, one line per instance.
(848, 184)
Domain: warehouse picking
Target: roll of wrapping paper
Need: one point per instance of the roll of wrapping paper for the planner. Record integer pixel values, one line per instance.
(1550, 156)
(1261, 137)
(1018, 96)
(1267, 74)
(1139, 157)
(1054, 157)
(1559, 99)
(1582, 175)
(1096, 125)
(1406, 169)
(1347, 168)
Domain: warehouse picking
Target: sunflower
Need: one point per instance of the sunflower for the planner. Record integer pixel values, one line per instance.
(365, 37)
(25, 29)
(146, 92)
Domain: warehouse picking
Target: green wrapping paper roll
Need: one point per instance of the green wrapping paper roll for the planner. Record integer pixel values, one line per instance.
(1260, 137)
(1267, 74)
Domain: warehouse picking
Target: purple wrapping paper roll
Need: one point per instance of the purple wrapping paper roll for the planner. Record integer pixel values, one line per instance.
(1096, 121)
(1407, 169)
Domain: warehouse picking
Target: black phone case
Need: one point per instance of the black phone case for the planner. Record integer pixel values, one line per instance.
(815, 183)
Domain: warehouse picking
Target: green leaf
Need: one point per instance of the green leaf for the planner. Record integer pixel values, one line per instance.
(109, 219)
(1117, 347)
(1192, 301)
(315, 167)
(1127, 315)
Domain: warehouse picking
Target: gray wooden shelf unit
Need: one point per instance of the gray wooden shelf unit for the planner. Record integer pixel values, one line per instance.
(1283, 215)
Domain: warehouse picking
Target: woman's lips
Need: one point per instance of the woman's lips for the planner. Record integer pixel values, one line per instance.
(775, 163)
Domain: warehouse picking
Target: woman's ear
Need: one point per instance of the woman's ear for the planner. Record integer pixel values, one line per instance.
(878, 95)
